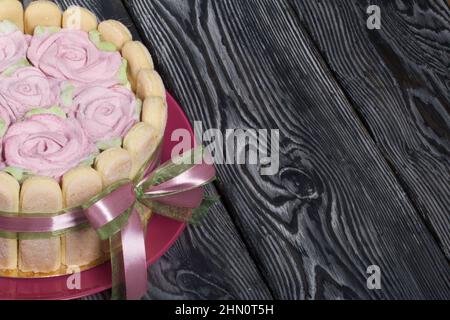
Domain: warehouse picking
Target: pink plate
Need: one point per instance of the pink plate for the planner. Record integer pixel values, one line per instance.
(162, 233)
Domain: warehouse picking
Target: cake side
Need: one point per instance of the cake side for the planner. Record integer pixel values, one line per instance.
(104, 121)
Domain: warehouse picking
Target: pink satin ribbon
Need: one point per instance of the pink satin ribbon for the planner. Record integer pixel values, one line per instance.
(188, 180)
(183, 191)
(134, 257)
(111, 207)
(108, 209)
(115, 203)
(43, 224)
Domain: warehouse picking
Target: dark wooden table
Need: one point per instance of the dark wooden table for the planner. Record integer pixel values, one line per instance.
(364, 120)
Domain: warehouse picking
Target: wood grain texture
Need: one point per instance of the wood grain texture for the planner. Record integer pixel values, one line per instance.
(399, 81)
(207, 262)
(335, 207)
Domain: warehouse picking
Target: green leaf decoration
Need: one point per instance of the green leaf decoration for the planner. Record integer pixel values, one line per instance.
(122, 74)
(41, 30)
(113, 143)
(18, 173)
(107, 46)
(3, 127)
(96, 38)
(20, 64)
(7, 26)
(90, 160)
(67, 94)
(57, 111)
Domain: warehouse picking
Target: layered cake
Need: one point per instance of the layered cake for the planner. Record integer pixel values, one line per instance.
(81, 108)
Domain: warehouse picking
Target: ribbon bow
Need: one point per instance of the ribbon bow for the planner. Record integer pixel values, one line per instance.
(173, 190)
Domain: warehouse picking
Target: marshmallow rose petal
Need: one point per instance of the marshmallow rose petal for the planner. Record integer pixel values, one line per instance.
(13, 45)
(6, 115)
(2, 162)
(46, 145)
(71, 55)
(26, 89)
(105, 113)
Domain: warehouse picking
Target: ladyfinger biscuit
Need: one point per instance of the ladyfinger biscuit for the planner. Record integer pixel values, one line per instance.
(149, 83)
(82, 247)
(115, 32)
(79, 18)
(154, 112)
(113, 165)
(9, 202)
(40, 195)
(42, 13)
(138, 58)
(12, 10)
(140, 142)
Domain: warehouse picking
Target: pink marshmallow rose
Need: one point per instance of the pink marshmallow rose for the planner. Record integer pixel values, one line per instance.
(105, 113)
(5, 121)
(13, 48)
(71, 55)
(2, 161)
(46, 145)
(28, 88)
(6, 115)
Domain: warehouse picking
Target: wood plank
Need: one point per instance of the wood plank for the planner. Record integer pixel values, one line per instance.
(335, 207)
(207, 262)
(398, 80)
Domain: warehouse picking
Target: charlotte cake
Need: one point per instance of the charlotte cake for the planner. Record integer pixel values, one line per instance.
(70, 123)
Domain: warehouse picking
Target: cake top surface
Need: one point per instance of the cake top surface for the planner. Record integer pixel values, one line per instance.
(64, 97)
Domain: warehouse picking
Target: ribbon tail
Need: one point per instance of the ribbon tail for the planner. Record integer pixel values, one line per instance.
(117, 269)
(128, 260)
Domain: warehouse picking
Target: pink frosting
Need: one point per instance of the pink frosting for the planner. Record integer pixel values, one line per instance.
(2, 159)
(70, 55)
(5, 111)
(13, 48)
(5, 115)
(46, 145)
(105, 113)
(28, 88)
